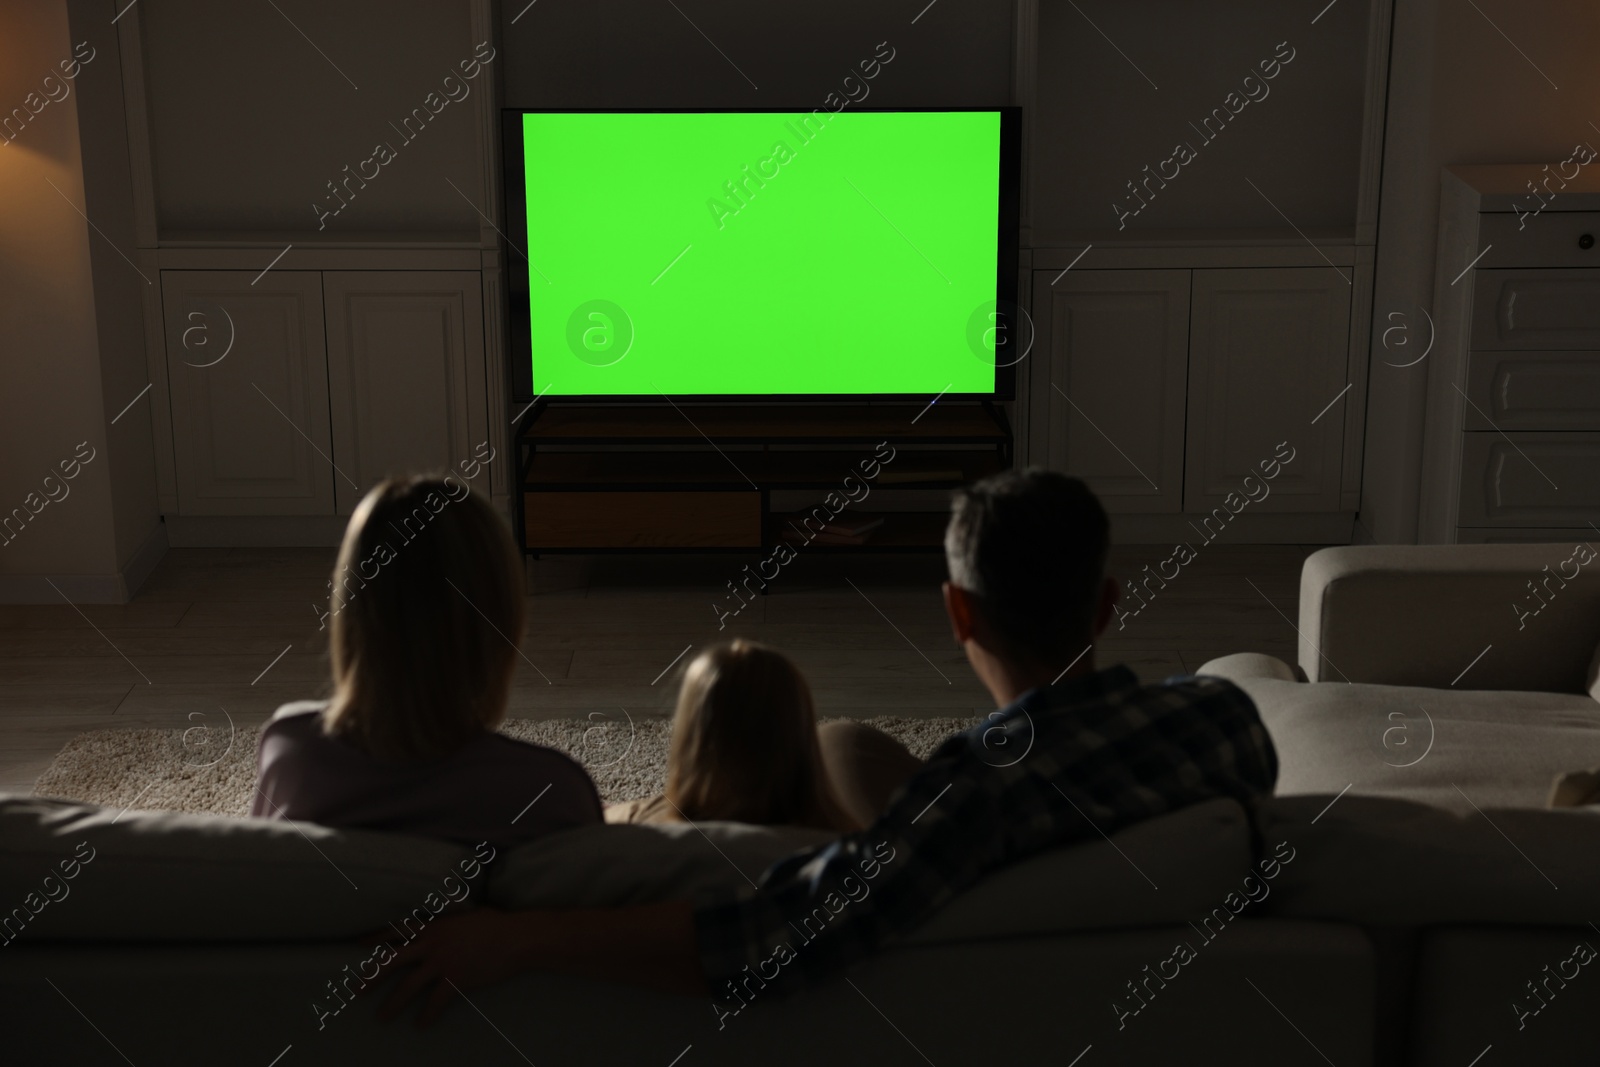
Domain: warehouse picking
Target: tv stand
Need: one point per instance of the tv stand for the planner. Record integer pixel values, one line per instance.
(602, 478)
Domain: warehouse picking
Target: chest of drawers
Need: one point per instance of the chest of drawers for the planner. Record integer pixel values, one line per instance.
(1512, 441)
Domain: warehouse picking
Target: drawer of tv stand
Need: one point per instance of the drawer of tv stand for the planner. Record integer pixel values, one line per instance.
(645, 519)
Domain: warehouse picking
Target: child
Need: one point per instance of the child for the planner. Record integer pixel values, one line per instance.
(426, 608)
(744, 747)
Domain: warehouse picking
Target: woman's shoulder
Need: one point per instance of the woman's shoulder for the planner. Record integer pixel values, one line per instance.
(548, 760)
(571, 779)
(515, 748)
(298, 717)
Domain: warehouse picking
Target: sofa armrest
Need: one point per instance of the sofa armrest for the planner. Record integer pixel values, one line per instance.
(1248, 666)
(1505, 616)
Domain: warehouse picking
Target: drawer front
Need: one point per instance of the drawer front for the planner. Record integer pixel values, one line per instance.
(1530, 479)
(1534, 390)
(1549, 239)
(1533, 309)
(642, 520)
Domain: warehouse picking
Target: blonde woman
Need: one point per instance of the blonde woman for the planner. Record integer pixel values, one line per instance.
(426, 606)
(744, 747)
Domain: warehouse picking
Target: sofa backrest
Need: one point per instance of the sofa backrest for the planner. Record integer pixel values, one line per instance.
(1442, 615)
(1171, 870)
(73, 871)
(1165, 870)
(618, 864)
(1380, 861)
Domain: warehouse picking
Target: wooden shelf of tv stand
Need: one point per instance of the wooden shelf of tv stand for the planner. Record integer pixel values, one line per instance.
(768, 424)
(709, 469)
(699, 478)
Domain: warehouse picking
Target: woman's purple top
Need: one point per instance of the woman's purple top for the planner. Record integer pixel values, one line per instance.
(494, 788)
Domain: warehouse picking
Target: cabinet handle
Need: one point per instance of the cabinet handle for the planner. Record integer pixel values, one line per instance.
(1586, 241)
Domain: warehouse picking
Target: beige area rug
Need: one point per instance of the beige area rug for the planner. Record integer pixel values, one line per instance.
(212, 770)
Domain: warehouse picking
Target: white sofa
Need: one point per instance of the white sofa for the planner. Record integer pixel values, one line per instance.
(1399, 933)
(196, 939)
(1447, 708)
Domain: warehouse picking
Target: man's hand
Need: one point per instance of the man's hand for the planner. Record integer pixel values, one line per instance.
(459, 952)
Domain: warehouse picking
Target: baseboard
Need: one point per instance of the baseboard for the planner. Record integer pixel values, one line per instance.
(255, 531)
(117, 588)
(138, 569)
(1247, 528)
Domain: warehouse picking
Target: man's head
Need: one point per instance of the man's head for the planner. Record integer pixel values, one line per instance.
(1027, 590)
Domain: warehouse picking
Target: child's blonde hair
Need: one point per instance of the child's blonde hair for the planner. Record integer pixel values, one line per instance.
(744, 743)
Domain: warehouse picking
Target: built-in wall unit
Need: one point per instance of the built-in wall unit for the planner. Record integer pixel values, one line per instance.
(315, 204)
(1197, 229)
(1512, 451)
(1201, 213)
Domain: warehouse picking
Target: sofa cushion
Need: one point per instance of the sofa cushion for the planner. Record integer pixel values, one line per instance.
(1435, 746)
(1170, 869)
(641, 863)
(1387, 862)
(78, 871)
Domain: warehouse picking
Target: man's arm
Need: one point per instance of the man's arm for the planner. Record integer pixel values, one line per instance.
(828, 908)
(818, 912)
(961, 816)
(649, 945)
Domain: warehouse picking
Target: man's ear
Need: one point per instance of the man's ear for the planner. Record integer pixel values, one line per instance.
(1109, 594)
(958, 606)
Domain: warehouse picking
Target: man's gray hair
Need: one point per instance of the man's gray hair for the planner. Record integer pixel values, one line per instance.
(1032, 546)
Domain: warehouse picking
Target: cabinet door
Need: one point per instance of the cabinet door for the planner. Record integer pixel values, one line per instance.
(248, 379)
(402, 349)
(1267, 367)
(1114, 348)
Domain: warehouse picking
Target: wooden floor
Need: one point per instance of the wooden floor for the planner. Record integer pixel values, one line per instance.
(233, 633)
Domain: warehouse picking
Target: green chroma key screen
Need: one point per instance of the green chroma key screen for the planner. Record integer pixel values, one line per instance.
(761, 253)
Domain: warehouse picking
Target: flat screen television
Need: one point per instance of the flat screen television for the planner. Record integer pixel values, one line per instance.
(781, 255)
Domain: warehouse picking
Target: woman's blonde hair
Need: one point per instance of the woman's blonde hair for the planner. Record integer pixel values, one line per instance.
(744, 743)
(427, 607)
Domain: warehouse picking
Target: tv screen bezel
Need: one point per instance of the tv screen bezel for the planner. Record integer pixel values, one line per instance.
(519, 341)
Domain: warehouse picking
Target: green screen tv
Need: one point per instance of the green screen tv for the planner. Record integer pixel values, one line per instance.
(783, 254)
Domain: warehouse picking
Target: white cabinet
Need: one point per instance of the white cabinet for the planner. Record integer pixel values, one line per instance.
(402, 346)
(1512, 435)
(293, 392)
(1115, 343)
(1532, 366)
(248, 380)
(1267, 365)
(1164, 389)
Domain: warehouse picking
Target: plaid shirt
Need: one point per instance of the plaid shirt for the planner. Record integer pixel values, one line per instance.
(1064, 763)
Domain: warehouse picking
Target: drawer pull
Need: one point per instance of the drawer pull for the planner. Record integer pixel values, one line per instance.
(1586, 241)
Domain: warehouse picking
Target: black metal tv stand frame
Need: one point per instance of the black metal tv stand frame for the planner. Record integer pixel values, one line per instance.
(599, 478)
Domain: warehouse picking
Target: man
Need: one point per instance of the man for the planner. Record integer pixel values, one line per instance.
(1073, 753)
